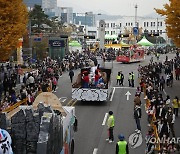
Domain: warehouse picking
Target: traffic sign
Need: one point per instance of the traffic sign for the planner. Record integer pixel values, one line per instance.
(37, 39)
(135, 30)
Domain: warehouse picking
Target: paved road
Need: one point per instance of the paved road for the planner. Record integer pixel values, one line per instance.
(91, 133)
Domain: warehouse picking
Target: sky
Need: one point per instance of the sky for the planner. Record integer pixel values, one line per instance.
(114, 7)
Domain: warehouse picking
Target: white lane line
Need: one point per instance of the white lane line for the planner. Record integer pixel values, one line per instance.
(112, 94)
(125, 87)
(105, 118)
(95, 151)
(63, 99)
(164, 92)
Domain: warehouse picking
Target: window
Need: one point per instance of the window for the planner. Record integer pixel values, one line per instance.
(153, 31)
(126, 24)
(106, 32)
(160, 31)
(151, 24)
(107, 25)
(157, 31)
(154, 23)
(160, 23)
(120, 25)
(113, 32)
(111, 24)
(114, 24)
(144, 24)
(147, 24)
(131, 24)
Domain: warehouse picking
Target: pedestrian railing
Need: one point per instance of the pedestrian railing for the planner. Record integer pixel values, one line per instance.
(157, 144)
(22, 102)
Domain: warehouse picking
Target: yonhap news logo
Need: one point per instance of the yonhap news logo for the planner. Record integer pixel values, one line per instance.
(135, 140)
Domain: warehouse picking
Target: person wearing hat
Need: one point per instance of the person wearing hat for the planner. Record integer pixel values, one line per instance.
(110, 125)
(122, 145)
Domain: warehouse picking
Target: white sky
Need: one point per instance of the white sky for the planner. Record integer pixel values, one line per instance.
(114, 7)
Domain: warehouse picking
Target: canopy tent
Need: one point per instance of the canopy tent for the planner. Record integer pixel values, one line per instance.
(145, 42)
(74, 46)
(110, 37)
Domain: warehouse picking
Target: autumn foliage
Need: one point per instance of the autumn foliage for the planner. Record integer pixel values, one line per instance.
(13, 22)
(172, 13)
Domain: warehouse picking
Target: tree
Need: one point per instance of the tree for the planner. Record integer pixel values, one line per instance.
(13, 21)
(38, 18)
(172, 13)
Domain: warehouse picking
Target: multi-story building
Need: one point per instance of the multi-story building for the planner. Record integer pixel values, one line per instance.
(66, 14)
(126, 23)
(86, 19)
(48, 6)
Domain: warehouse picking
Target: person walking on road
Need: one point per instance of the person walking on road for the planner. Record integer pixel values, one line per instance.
(122, 79)
(110, 125)
(176, 104)
(162, 83)
(122, 145)
(137, 117)
(71, 75)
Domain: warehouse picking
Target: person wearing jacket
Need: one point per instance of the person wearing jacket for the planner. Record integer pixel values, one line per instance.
(137, 117)
(122, 145)
(176, 104)
(110, 125)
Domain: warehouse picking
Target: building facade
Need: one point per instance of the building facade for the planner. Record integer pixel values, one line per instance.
(124, 24)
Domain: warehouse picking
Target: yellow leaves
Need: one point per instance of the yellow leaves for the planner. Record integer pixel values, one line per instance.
(13, 21)
(172, 13)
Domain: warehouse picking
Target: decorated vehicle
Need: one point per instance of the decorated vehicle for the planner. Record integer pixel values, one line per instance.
(92, 83)
(45, 127)
(132, 54)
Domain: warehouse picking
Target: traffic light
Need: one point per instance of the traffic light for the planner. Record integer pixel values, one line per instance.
(153, 34)
(123, 35)
(89, 37)
(63, 36)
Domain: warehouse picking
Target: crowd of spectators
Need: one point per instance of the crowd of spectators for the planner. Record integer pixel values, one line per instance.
(161, 111)
(43, 75)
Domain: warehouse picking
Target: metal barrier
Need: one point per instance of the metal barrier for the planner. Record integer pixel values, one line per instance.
(152, 124)
(23, 102)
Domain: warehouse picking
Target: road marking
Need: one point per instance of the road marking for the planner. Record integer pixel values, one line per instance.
(69, 102)
(112, 94)
(105, 118)
(164, 92)
(74, 103)
(125, 87)
(63, 99)
(95, 151)
(128, 94)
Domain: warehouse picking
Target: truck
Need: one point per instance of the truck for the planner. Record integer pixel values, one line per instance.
(95, 90)
(45, 127)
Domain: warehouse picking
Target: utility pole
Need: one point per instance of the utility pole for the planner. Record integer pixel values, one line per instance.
(136, 25)
(136, 6)
(30, 39)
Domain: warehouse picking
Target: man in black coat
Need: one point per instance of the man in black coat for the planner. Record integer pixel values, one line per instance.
(71, 75)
